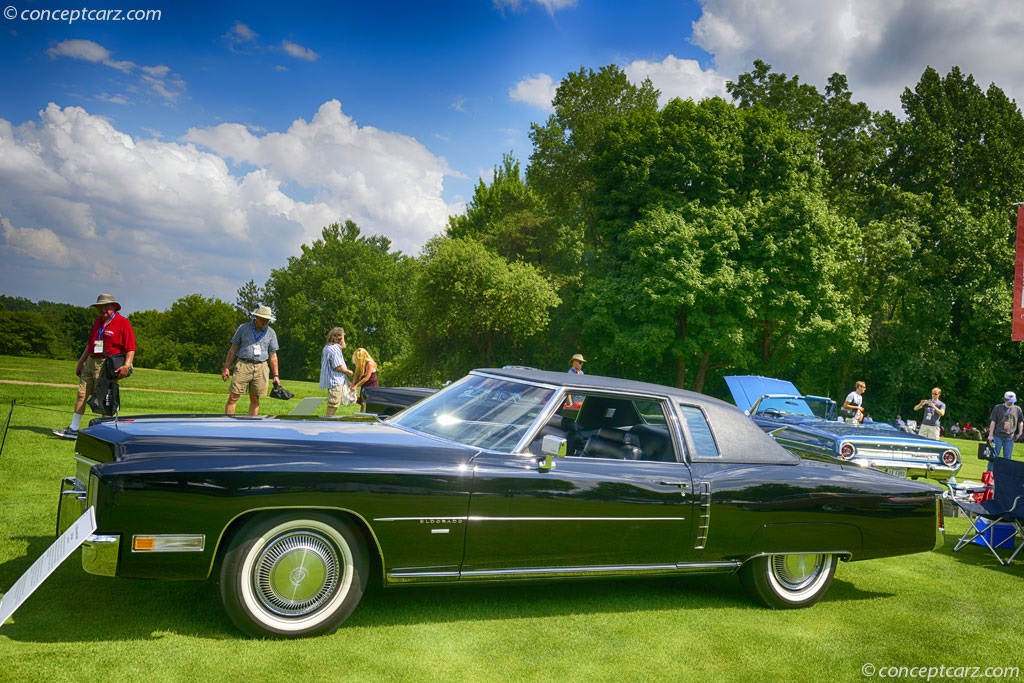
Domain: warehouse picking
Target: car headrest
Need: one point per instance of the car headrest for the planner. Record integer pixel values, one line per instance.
(618, 436)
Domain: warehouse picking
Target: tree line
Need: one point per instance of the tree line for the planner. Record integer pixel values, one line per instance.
(788, 232)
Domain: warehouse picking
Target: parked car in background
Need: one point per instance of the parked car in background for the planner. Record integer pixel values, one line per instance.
(386, 401)
(493, 478)
(808, 425)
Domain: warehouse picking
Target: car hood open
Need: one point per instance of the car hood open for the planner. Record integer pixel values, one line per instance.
(748, 388)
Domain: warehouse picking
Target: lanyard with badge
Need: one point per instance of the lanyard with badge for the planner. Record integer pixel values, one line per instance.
(1009, 419)
(257, 350)
(97, 346)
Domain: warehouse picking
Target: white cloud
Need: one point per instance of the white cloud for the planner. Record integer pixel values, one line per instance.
(86, 207)
(551, 6)
(882, 46)
(299, 52)
(537, 90)
(157, 79)
(85, 50)
(241, 33)
(674, 77)
(40, 244)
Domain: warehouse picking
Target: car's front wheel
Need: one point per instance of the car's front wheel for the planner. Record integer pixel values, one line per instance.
(293, 574)
(789, 581)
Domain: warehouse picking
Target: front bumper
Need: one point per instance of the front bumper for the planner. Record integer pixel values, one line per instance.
(99, 551)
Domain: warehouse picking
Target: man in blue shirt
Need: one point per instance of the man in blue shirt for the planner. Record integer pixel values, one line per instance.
(334, 373)
(255, 346)
(576, 364)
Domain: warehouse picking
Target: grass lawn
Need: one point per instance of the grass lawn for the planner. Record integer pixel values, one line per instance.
(931, 609)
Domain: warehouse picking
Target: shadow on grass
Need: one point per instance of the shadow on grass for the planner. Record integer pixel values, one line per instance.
(45, 431)
(844, 591)
(980, 556)
(72, 606)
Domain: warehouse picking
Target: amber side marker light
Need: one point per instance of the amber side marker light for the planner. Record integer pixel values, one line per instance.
(168, 543)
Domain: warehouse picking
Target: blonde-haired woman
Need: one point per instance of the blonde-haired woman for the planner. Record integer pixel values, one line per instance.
(365, 374)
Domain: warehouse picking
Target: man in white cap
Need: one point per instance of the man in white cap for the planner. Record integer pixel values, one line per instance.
(111, 337)
(254, 344)
(1004, 426)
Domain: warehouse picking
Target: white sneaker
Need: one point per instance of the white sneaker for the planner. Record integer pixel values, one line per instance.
(66, 433)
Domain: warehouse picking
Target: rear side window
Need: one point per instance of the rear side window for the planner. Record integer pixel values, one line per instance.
(700, 432)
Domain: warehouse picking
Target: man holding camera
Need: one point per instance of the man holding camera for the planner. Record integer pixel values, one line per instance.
(934, 410)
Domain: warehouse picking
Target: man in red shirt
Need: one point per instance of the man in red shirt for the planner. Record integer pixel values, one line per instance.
(111, 339)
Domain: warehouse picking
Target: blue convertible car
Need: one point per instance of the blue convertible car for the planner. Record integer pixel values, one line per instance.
(809, 425)
(497, 477)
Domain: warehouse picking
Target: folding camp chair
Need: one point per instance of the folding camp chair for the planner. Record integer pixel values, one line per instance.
(1006, 507)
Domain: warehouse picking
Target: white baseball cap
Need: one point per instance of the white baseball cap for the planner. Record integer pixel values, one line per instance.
(1010, 397)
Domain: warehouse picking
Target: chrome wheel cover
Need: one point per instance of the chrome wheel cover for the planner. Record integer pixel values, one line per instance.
(797, 573)
(296, 573)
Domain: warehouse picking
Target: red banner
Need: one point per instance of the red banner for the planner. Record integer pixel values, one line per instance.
(1017, 333)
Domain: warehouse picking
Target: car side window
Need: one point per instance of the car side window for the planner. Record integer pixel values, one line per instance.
(700, 432)
(618, 427)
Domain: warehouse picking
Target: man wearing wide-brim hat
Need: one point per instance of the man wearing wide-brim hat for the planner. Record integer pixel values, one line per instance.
(112, 340)
(254, 345)
(576, 364)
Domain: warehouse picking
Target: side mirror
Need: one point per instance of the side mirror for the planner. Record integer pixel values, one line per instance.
(552, 447)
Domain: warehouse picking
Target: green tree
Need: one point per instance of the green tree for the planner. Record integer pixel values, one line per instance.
(342, 279)
(718, 247)
(250, 297)
(473, 308)
(943, 317)
(27, 333)
(510, 219)
(192, 335)
(585, 104)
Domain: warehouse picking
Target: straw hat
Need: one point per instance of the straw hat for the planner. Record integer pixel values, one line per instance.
(579, 357)
(264, 312)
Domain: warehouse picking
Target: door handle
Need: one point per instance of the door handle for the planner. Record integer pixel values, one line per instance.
(680, 484)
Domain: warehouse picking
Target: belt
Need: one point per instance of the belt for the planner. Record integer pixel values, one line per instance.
(96, 355)
(252, 362)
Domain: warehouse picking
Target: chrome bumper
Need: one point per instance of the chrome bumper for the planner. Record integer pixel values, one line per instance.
(914, 470)
(99, 554)
(99, 551)
(72, 503)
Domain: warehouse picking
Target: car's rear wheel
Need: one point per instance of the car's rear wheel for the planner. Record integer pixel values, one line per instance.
(290, 575)
(789, 581)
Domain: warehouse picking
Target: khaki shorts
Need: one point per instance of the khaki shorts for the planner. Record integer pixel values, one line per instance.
(250, 378)
(334, 396)
(92, 368)
(929, 432)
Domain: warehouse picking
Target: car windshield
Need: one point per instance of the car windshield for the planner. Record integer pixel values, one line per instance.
(804, 406)
(787, 405)
(478, 411)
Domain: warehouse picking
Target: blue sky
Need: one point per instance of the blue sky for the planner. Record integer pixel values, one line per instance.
(191, 152)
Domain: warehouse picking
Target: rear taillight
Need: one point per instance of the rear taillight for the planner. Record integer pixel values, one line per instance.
(847, 451)
(950, 458)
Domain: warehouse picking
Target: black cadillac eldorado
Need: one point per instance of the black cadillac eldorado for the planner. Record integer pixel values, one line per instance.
(494, 478)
